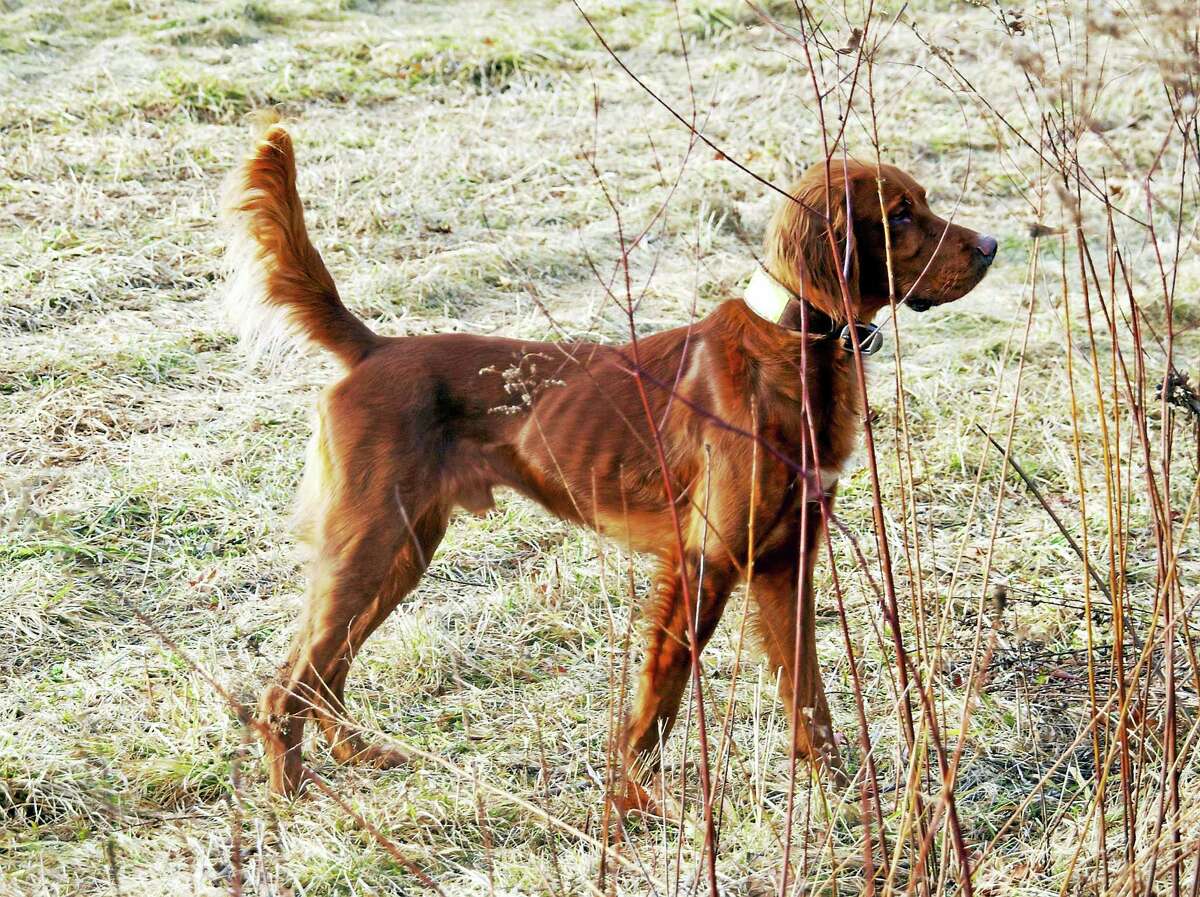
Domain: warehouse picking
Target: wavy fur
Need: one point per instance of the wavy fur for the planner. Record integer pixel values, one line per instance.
(279, 294)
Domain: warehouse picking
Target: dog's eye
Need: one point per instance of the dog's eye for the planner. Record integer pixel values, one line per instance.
(902, 215)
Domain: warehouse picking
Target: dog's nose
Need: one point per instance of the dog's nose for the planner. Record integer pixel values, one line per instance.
(987, 247)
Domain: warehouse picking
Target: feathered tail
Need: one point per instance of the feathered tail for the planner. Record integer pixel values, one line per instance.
(280, 293)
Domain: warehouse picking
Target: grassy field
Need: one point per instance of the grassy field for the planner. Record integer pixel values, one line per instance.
(444, 151)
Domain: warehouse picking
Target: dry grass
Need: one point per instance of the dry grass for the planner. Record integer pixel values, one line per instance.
(443, 159)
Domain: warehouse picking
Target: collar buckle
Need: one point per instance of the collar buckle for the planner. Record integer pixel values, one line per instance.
(870, 339)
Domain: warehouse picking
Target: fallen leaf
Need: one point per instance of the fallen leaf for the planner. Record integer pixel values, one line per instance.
(853, 43)
(1037, 229)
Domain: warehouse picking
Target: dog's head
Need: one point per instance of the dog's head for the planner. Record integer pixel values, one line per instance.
(933, 261)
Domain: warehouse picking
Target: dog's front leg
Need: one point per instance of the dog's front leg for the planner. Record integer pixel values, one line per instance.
(667, 667)
(783, 593)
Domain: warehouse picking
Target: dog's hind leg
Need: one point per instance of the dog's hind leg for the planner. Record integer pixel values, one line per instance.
(369, 557)
(410, 564)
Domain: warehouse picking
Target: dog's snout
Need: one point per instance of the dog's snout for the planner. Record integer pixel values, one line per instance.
(986, 247)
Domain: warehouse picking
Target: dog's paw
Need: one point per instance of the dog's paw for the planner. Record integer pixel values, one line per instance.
(650, 803)
(354, 751)
(382, 757)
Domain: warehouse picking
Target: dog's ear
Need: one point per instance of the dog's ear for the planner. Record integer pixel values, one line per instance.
(798, 253)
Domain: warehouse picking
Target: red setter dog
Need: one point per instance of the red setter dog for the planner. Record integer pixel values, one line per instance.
(674, 445)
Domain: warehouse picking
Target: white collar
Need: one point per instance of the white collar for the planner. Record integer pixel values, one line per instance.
(766, 296)
(769, 299)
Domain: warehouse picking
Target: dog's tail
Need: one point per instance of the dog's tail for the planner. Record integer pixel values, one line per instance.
(280, 293)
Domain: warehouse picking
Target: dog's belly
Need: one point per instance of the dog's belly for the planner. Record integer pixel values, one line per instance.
(621, 498)
(640, 531)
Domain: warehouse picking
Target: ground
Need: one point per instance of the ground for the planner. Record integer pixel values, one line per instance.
(446, 159)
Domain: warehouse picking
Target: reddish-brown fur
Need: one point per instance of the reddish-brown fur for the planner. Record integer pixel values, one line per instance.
(422, 425)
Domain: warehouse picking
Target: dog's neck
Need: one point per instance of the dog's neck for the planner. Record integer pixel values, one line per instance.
(774, 302)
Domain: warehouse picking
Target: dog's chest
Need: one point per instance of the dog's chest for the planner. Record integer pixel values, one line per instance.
(819, 431)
